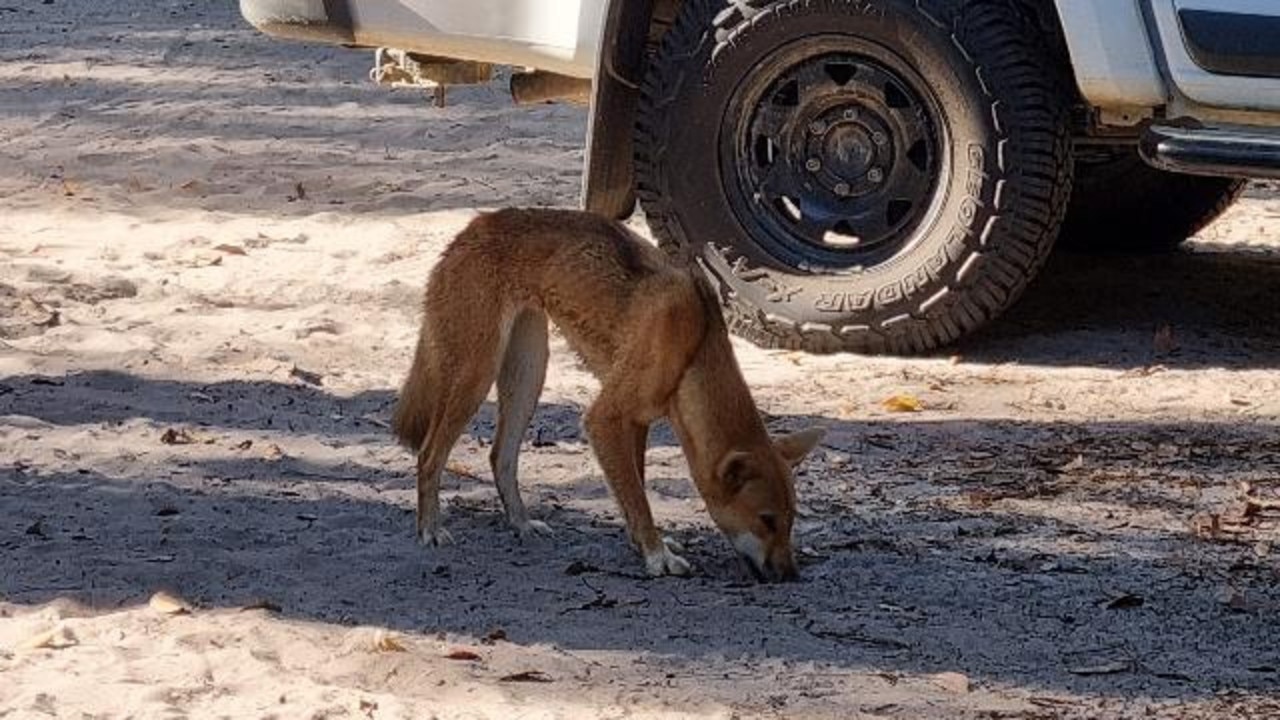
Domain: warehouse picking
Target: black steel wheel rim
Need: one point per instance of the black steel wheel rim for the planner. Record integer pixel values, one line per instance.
(832, 154)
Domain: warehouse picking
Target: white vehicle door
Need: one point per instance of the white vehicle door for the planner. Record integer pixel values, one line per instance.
(1222, 53)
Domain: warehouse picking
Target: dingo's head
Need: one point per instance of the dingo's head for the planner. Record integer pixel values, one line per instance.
(759, 502)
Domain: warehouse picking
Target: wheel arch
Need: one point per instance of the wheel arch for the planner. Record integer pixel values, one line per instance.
(608, 186)
(1111, 53)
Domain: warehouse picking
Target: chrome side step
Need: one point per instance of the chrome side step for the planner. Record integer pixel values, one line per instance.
(1223, 152)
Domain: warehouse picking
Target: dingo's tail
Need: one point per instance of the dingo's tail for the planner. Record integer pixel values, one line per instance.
(412, 419)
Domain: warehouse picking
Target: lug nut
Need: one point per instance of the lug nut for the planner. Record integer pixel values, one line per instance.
(813, 164)
(850, 114)
(879, 138)
(842, 189)
(875, 175)
(817, 127)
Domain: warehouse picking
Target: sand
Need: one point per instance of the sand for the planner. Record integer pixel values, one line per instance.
(212, 247)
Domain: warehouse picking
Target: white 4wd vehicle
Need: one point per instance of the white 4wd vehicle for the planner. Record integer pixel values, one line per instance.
(870, 175)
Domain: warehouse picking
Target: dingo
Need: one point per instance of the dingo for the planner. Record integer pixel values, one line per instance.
(654, 336)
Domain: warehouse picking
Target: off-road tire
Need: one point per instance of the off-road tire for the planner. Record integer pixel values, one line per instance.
(1005, 116)
(1120, 204)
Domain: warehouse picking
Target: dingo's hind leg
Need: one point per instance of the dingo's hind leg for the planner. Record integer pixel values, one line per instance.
(524, 368)
(460, 389)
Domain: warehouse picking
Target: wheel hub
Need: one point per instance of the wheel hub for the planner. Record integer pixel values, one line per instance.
(852, 148)
(837, 156)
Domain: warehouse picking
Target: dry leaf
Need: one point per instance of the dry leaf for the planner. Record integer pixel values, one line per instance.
(902, 403)
(230, 249)
(1239, 514)
(1146, 371)
(461, 470)
(166, 604)
(1044, 701)
(981, 498)
(460, 653)
(535, 676)
(272, 452)
(55, 639)
(38, 641)
(1206, 525)
(328, 327)
(386, 642)
(1164, 341)
(306, 376)
(1258, 504)
(1076, 463)
(951, 681)
(267, 605)
(243, 445)
(1233, 599)
(1125, 601)
(1109, 668)
(177, 436)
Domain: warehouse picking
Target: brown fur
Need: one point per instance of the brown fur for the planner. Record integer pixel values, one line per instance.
(651, 332)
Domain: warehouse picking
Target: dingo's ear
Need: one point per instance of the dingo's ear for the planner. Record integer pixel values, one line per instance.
(733, 470)
(794, 447)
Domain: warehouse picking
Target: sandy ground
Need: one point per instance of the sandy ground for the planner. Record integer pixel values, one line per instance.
(212, 249)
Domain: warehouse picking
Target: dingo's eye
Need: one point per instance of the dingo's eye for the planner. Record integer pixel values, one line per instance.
(770, 521)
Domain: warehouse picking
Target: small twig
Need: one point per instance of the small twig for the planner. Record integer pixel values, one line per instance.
(849, 636)
(320, 475)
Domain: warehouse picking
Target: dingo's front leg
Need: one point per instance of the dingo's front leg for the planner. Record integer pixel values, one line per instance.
(615, 440)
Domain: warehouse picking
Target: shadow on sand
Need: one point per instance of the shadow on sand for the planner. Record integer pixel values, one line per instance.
(910, 564)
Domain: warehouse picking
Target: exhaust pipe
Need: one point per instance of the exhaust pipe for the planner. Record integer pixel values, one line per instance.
(539, 86)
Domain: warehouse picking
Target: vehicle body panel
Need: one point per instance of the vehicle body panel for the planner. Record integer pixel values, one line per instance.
(557, 35)
(1201, 86)
(1111, 53)
(1125, 53)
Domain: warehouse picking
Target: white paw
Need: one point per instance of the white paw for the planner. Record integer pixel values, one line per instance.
(665, 562)
(533, 528)
(436, 537)
(672, 544)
